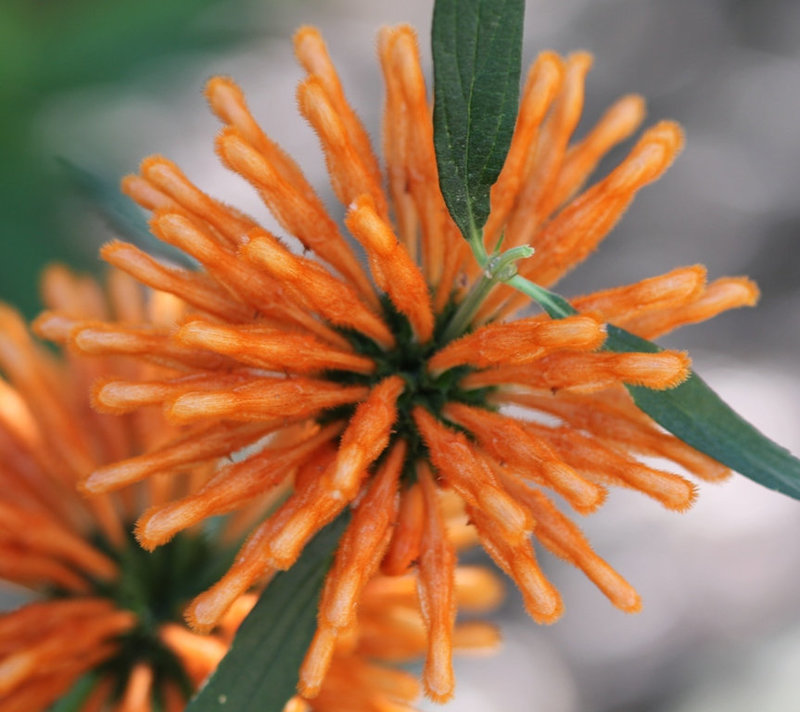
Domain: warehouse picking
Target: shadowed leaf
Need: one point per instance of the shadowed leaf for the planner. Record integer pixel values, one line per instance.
(260, 672)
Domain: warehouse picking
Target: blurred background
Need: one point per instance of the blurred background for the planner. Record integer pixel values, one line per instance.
(89, 87)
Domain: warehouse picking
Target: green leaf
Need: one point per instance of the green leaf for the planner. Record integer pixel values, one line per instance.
(76, 696)
(476, 68)
(260, 671)
(693, 412)
(698, 416)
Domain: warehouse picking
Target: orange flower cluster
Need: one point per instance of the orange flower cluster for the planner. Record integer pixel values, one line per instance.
(378, 391)
(390, 628)
(105, 608)
(73, 551)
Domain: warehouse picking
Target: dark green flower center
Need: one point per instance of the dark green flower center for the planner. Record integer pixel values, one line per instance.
(409, 359)
(156, 586)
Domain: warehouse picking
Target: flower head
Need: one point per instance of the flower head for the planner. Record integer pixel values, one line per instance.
(386, 391)
(104, 607)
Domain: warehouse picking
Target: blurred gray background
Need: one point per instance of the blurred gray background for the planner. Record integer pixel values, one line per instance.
(720, 629)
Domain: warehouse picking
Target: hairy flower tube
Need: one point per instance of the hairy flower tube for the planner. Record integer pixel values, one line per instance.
(389, 384)
(110, 614)
(390, 629)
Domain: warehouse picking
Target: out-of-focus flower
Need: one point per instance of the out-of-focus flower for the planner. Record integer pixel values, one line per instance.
(384, 390)
(103, 607)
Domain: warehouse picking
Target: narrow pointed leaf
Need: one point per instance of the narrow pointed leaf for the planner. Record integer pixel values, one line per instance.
(698, 416)
(476, 69)
(76, 696)
(260, 671)
(694, 413)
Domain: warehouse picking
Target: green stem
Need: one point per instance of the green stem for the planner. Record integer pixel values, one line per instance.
(497, 268)
(466, 310)
(556, 306)
(478, 250)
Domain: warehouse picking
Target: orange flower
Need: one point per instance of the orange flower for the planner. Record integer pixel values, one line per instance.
(390, 627)
(384, 390)
(105, 607)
